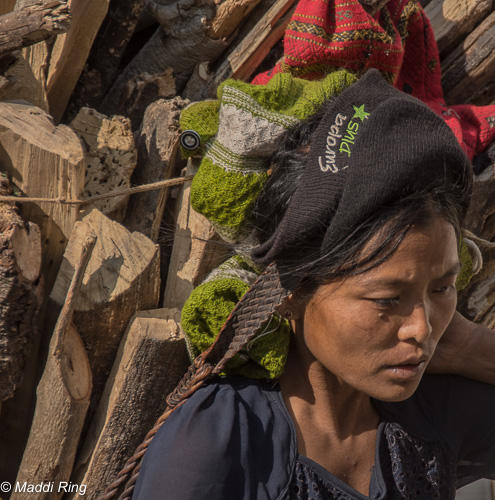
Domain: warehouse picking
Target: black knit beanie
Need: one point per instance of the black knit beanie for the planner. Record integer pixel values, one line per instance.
(373, 146)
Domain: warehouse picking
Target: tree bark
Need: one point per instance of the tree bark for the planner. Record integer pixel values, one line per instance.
(20, 293)
(192, 31)
(62, 399)
(152, 357)
(157, 144)
(32, 24)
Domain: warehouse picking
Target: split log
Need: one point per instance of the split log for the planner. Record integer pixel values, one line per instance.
(152, 358)
(111, 158)
(71, 50)
(157, 144)
(197, 250)
(62, 399)
(191, 32)
(242, 62)
(43, 161)
(20, 293)
(6, 6)
(32, 24)
(468, 72)
(104, 61)
(451, 20)
(122, 277)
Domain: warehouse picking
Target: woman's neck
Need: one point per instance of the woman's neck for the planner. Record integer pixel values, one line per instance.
(318, 398)
(336, 425)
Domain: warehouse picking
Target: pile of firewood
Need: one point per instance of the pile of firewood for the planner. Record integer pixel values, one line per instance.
(98, 249)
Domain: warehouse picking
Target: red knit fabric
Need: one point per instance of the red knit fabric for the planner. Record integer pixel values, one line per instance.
(325, 35)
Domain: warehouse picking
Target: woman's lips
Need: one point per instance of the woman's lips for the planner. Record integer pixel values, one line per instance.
(406, 371)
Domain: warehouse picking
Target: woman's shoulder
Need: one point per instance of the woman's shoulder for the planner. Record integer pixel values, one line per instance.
(230, 439)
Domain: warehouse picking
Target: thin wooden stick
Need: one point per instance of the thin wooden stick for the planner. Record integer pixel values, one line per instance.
(65, 316)
(136, 189)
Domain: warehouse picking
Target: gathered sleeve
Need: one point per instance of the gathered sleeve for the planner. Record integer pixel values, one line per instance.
(227, 441)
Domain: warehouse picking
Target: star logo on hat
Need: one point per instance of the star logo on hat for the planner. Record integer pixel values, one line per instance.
(360, 112)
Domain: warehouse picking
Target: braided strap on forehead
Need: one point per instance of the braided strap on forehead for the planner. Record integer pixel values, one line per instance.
(254, 309)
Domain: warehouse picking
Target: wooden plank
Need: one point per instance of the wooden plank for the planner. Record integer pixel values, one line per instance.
(197, 250)
(451, 20)
(71, 50)
(469, 71)
(244, 59)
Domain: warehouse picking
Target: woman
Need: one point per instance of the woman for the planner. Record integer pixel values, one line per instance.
(363, 230)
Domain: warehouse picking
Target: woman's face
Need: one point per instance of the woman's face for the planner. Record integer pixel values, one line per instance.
(377, 331)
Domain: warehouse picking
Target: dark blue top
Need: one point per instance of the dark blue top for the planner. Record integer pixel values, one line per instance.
(234, 440)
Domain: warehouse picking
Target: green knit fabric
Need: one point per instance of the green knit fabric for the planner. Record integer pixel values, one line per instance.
(253, 120)
(225, 198)
(292, 96)
(209, 306)
(202, 117)
(466, 273)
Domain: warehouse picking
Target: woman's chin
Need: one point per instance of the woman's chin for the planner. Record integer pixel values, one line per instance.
(394, 392)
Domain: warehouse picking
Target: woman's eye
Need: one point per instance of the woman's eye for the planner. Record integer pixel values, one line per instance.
(386, 301)
(444, 289)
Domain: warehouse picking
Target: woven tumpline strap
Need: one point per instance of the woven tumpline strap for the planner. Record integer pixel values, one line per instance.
(253, 310)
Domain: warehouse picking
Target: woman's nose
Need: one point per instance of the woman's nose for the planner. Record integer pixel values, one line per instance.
(417, 325)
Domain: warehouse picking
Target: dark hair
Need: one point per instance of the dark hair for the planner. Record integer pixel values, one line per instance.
(389, 225)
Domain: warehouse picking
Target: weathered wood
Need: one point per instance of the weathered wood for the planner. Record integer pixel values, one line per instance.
(468, 72)
(104, 61)
(111, 158)
(152, 357)
(191, 32)
(143, 90)
(451, 20)
(157, 144)
(122, 278)
(6, 6)
(71, 50)
(26, 73)
(32, 24)
(250, 52)
(20, 263)
(197, 250)
(62, 399)
(478, 300)
(43, 161)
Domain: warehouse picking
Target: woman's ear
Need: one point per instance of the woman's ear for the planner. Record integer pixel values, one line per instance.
(292, 308)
